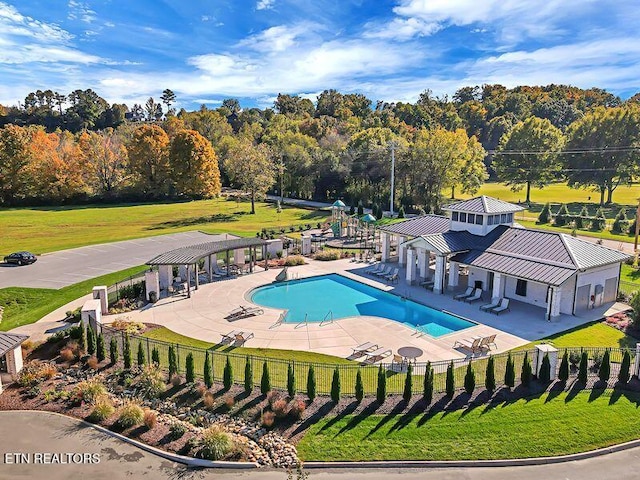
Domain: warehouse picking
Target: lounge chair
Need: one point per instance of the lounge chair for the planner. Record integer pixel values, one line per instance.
(428, 284)
(241, 338)
(377, 355)
(230, 337)
(397, 359)
(477, 295)
(461, 296)
(384, 273)
(374, 269)
(504, 307)
(488, 341)
(363, 349)
(242, 312)
(470, 344)
(491, 306)
(392, 276)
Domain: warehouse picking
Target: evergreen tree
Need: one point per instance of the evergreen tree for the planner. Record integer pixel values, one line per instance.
(469, 380)
(360, 208)
(599, 221)
(82, 341)
(562, 216)
(141, 355)
(605, 367)
(190, 376)
(510, 372)
(248, 376)
(401, 212)
(427, 389)
(451, 381)
(620, 224)
(527, 374)
(545, 214)
(207, 374)
(335, 386)
(381, 392)
(625, 367)
(126, 353)
(173, 362)
(113, 351)
(91, 341)
(265, 381)
(155, 356)
(582, 371)
(490, 376)
(359, 387)
(374, 211)
(311, 383)
(408, 384)
(291, 381)
(544, 376)
(563, 373)
(227, 375)
(101, 352)
(352, 210)
(582, 219)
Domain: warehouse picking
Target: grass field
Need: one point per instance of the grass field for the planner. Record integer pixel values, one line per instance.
(27, 305)
(596, 334)
(47, 229)
(572, 422)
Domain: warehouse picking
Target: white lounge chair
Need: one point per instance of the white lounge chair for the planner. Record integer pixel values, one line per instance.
(477, 295)
(374, 269)
(363, 349)
(384, 272)
(488, 341)
(230, 337)
(377, 355)
(470, 344)
(504, 307)
(467, 293)
(392, 276)
(241, 338)
(491, 306)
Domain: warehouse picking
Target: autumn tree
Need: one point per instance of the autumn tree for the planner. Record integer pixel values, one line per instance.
(14, 158)
(527, 155)
(251, 168)
(194, 165)
(107, 158)
(149, 160)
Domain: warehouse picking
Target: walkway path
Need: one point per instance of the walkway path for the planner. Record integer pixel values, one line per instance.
(44, 432)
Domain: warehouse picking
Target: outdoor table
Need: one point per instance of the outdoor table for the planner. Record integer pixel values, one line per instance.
(410, 353)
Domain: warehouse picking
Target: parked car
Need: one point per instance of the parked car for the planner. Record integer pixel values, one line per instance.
(20, 258)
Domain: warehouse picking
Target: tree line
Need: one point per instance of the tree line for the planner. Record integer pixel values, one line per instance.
(339, 146)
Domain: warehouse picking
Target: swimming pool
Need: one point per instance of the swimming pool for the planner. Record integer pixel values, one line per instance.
(314, 297)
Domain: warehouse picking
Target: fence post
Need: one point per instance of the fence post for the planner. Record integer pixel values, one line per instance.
(552, 352)
(178, 357)
(148, 352)
(636, 365)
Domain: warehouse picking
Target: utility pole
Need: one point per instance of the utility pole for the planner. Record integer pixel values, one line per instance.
(393, 145)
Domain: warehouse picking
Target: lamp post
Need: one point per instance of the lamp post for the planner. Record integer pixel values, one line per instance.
(392, 145)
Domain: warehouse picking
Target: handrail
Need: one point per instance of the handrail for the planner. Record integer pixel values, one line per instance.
(330, 315)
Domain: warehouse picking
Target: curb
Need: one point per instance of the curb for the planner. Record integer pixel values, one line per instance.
(515, 462)
(188, 461)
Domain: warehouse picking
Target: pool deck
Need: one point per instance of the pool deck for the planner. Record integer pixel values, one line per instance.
(203, 317)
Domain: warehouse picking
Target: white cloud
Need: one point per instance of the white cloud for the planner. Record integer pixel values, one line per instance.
(14, 24)
(276, 39)
(402, 29)
(80, 11)
(265, 4)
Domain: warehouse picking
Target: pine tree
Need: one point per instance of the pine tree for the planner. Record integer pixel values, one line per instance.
(91, 341)
(451, 382)
(101, 352)
(352, 210)
(561, 216)
(360, 208)
(544, 376)
(381, 392)
(265, 381)
(470, 380)
(207, 373)
(605, 367)
(291, 381)
(625, 367)
(490, 376)
(563, 373)
(545, 214)
(335, 386)
(359, 387)
(155, 356)
(190, 375)
(141, 355)
(173, 363)
(525, 376)
(510, 372)
(248, 376)
(620, 223)
(113, 351)
(427, 388)
(401, 212)
(82, 341)
(311, 383)
(227, 375)
(582, 371)
(408, 384)
(126, 353)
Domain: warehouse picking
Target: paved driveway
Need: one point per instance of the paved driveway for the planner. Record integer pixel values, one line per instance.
(43, 432)
(59, 269)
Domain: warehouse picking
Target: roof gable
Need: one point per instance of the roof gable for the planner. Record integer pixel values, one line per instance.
(418, 226)
(9, 341)
(483, 204)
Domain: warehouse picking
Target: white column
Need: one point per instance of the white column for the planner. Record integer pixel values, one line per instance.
(238, 256)
(386, 246)
(636, 364)
(14, 360)
(182, 272)
(438, 280)
(552, 352)
(165, 276)
(306, 245)
(90, 315)
(100, 293)
(411, 266)
(152, 283)
(498, 286)
(402, 251)
(454, 274)
(423, 262)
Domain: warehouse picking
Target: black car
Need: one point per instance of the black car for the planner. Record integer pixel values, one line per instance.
(20, 258)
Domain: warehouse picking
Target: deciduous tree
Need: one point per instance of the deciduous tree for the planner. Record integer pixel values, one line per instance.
(194, 165)
(251, 168)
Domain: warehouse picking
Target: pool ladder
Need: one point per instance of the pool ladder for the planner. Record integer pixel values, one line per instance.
(417, 332)
(328, 318)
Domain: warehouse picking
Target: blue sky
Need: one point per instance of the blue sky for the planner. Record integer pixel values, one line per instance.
(205, 51)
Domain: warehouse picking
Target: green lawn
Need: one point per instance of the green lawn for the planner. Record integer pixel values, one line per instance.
(605, 234)
(27, 305)
(546, 426)
(629, 279)
(596, 334)
(47, 229)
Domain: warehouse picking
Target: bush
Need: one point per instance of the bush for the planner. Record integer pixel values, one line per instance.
(469, 380)
(208, 371)
(427, 387)
(126, 353)
(67, 355)
(268, 419)
(208, 400)
(265, 381)
(176, 430)
(141, 355)
(155, 356)
(527, 373)
(634, 302)
(227, 375)
(574, 358)
(596, 361)
(408, 384)
(127, 326)
(190, 369)
(291, 381)
(450, 381)
(545, 214)
(625, 367)
(201, 390)
(113, 351)
(562, 216)
(381, 391)
(582, 372)
(359, 388)
(563, 373)
(294, 260)
(35, 372)
(151, 381)
(176, 380)
(297, 408)
(544, 376)
(91, 341)
(510, 372)
(335, 386)
(150, 419)
(311, 383)
(248, 376)
(173, 361)
(327, 255)
(133, 291)
(92, 363)
(280, 408)
(620, 224)
(490, 375)
(89, 391)
(605, 369)
(101, 353)
(82, 339)
(130, 414)
(102, 409)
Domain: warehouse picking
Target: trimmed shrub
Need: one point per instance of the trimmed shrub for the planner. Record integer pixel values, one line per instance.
(89, 391)
(450, 383)
(141, 356)
(563, 373)
(102, 409)
(82, 339)
(176, 430)
(605, 368)
(359, 387)
(327, 255)
(297, 408)
(150, 419)
(126, 353)
(248, 376)
(408, 384)
(91, 341)
(620, 224)
(582, 219)
(101, 352)
(545, 214)
(582, 371)
(268, 419)
(293, 260)
(173, 362)
(208, 400)
(155, 356)
(427, 388)
(151, 381)
(625, 367)
(176, 380)
(470, 380)
(291, 381)
(335, 386)
(207, 374)
(130, 414)
(280, 408)
(510, 372)
(401, 213)
(265, 381)
(92, 363)
(381, 392)
(227, 375)
(311, 383)
(490, 375)
(190, 375)
(544, 376)
(599, 221)
(561, 217)
(113, 351)
(527, 373)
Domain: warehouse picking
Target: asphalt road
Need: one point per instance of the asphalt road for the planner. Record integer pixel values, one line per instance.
(40, 432)
(66, 267)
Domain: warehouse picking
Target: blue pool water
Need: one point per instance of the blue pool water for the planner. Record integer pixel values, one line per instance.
(316, 296)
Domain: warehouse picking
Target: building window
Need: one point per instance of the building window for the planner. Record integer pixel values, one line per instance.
(463, 217)
(454, 216)
(479, 219)
(503, 218)
(510, 217)
(471, 218)
(521, 288)
(489, 219)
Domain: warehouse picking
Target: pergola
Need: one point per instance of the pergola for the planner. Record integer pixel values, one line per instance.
(189, 258)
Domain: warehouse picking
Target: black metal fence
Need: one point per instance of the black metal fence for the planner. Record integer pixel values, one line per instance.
(115, 291)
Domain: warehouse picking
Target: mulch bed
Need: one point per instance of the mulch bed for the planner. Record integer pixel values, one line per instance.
(623, 322)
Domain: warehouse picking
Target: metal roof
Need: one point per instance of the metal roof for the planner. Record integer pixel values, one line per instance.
(448, 242)
(193, 253)
(418, 226)
(483, 204)
(9, 341)
(589, 255)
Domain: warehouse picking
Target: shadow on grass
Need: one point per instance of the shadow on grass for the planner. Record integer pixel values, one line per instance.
(407, 417)
(348, 410)
(188, 222)
(355, 421)
(575, 389)
(318, 415)
(395, 411)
